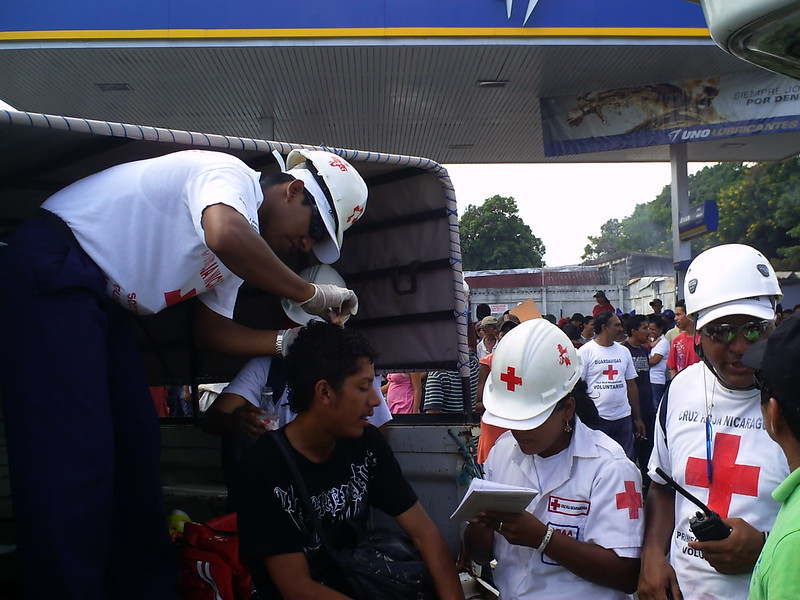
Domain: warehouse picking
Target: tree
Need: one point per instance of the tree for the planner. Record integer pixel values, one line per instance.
(608, 242)
(493, 236)
(759, 205)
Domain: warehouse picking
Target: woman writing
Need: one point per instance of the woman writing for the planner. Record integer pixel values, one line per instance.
(581, 535)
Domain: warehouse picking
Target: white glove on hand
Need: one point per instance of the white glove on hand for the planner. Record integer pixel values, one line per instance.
(330, 301)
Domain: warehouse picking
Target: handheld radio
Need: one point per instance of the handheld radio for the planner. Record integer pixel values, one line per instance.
(706, 525)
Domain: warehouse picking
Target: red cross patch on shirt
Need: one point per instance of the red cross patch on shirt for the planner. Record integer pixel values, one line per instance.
(729, 476)
(611, 372)
(630, 499)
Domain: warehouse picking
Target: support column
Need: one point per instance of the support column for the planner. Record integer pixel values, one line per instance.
(681, 250)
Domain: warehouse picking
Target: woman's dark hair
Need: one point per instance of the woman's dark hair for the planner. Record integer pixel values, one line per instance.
(584, 406)
(659, 322)
(323, 351)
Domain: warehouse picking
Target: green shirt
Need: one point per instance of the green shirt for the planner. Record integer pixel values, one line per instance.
(776, 575)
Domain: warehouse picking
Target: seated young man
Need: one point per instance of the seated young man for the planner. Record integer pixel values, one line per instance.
(347, 468)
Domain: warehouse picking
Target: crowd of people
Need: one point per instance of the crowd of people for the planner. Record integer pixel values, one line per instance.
(580, 420)
(601, 415)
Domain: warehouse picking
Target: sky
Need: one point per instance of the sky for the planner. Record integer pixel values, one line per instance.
(564, 203)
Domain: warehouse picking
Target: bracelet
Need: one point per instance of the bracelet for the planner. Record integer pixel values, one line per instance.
(279, 344)
(546, 538)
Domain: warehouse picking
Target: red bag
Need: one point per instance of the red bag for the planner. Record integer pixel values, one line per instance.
(209, 561)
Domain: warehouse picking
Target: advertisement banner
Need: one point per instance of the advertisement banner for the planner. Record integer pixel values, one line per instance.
(671, 113)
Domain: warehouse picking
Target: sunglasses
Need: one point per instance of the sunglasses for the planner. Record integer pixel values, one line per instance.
(316, 228)
(725, 333)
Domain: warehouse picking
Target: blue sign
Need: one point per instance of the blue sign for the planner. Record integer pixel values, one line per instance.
(699, 219)
(90, 19)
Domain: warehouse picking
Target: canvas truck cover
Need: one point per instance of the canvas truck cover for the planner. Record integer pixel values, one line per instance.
(402, 258)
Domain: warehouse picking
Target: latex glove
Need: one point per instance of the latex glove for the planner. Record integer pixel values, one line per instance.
(289, 336)
(331, 302)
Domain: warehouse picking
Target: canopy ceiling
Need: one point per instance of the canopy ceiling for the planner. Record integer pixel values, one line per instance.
(418, 97)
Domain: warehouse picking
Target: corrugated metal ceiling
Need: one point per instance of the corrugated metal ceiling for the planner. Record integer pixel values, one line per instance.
(417, 98)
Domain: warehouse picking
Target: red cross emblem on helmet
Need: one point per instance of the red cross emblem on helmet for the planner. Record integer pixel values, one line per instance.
(563, 356)
(510, 378)
(357, 212)
(339, 163)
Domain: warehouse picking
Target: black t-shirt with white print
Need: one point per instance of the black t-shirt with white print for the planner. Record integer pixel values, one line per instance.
(361, 473)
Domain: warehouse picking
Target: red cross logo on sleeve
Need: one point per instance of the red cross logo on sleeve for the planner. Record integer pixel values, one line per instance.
(729, 477)
(610, 371)
(554, 504)
(630, 499)
(511, 379)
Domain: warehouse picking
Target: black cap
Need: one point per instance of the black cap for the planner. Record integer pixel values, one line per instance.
(778, 360)
(599, 294)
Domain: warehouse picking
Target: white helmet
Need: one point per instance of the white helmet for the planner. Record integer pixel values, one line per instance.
(339, 190)
(728, 280)
(533, 368)
(319, 274)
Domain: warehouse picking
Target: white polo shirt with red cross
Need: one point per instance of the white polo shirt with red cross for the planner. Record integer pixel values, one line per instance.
(589, 491)
(606, 370)
(142, 224)
(746, 466)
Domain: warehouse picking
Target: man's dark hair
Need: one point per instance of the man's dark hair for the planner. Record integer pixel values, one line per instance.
(659, 322)
(633, 323)
(602, 318)
(323, 351)
(482, 310)
(276, 178)
(588, 319)
(681, 304)
(577, 318)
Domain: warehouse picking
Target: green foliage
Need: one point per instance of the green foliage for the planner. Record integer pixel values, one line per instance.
(759, 205)
(493, 236)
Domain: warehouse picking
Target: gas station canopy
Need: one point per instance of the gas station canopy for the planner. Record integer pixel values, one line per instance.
(459, 81)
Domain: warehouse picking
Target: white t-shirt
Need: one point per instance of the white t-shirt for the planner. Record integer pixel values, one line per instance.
(658, 371)
(249, 382)
(590, 491)
(141, 224)
(606, 370)
(747, 466)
